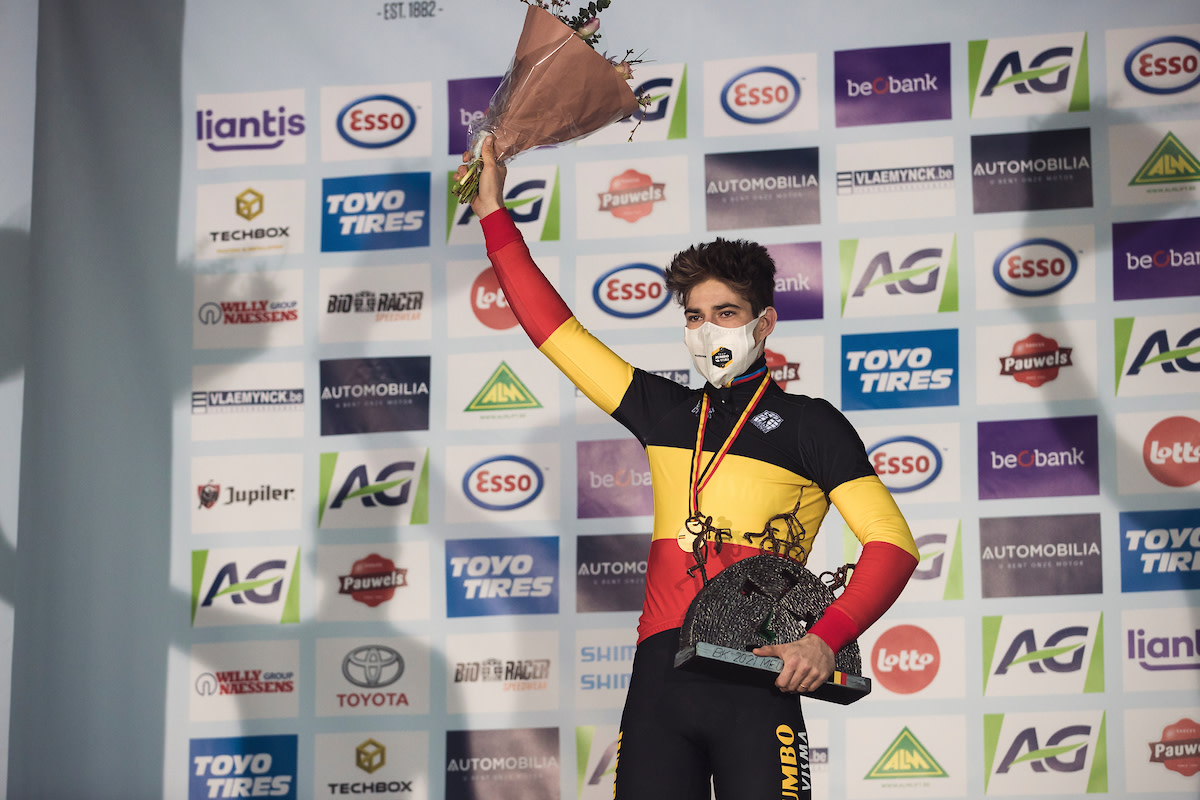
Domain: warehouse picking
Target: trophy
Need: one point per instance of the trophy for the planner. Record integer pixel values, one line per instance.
(761, 600)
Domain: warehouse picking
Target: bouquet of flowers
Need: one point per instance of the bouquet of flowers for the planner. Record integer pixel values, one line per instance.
(557, 89)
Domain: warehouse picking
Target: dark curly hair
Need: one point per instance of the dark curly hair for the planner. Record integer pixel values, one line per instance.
(744, 266)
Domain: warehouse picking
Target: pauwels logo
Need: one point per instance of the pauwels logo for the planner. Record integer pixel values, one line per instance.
(1044, 753)
(1043, 654)
(533, 199)
(899, 275)
(1035, 360)
(252, 129)
(374, 488)
(1029, 75)
(245, 586)
(1157, 355)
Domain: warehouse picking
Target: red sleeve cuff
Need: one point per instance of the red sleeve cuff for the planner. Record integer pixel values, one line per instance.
(835, 629)
(499, 230)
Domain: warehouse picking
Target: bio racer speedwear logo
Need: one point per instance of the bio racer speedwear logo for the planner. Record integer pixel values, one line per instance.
(904, 369)
(375, 212)
(243, 766)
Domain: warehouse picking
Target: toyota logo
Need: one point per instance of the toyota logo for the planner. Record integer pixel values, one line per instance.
(372, 666)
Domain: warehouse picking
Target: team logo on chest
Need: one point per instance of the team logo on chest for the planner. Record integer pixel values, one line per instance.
(766, 421)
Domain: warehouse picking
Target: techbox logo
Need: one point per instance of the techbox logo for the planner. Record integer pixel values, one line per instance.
(891, 84)
(1044, 753)
(251, 129)
(487, 577)
(1028, 75)
(1153, 66)
(1157, 355)
(1054, 457)
(237, 220)
(1032, 171)
(1159, 258)
(1160, 550)
(899, 275)
(375, 212)
(903, 369)
(385, 121)
(243, 766)
(613, 479)
(245, 586)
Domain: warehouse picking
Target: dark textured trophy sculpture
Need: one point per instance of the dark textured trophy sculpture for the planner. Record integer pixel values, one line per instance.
(761, 600)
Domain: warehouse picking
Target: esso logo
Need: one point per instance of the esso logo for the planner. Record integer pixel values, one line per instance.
(503, 483)
(488, 303)
(1167, 65)
(380, 120)
(1035, 267)
(905, 463)
(905, 659)
(1171, 451)
(760, 95)
(631, 291)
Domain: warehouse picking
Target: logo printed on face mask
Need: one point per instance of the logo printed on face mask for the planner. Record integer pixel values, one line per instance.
(721, 354)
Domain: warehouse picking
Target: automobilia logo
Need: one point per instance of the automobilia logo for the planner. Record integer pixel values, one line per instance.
(243, 766)
(230, 401)
(1159, 258)
(1032, 171)
(1035, 267)
(1178, 749)
(372, 395)
(1035, 360)
(1043, 654)
(1046, 555)
(892, 84)
(374, 488)
(1170, 167)
(1156, 355)
(1164, 66)
(610, 572)
(503, 391)
(1051, 457)
(375, 212)
(533, 199)
(1044, 753)
(767, 188)
(259, 128)
(631, 195)
(1171, 451)
(1161, 550)
(502, 576)
(904, 369)
(519, 762)
(384, 306)
(530, 674)
(245, 681)
(373, 580)
(245, 586)
(899, 275)
(906, 757)
(1029, 75)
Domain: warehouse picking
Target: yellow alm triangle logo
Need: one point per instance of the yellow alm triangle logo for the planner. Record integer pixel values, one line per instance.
(906, 758)
(1170, 162)
(504, 391)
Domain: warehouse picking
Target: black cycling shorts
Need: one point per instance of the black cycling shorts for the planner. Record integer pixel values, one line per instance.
(680, 730)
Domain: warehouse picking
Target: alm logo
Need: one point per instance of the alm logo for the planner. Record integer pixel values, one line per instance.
(1158, 366)
(1169, 163)
(906, 757)
(899, 275)
(374, 488)
(532, 198)
(1042, 753)
(503, 391)
(1028, 75)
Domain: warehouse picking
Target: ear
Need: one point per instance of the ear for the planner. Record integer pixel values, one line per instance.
(766, 325)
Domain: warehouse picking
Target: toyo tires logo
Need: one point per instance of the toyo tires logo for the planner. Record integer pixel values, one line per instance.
(503, 483)
(760, 95)
(1035, 267)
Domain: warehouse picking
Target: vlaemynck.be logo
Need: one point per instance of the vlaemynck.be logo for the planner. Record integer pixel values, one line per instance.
(892, 84)
(1032, 171)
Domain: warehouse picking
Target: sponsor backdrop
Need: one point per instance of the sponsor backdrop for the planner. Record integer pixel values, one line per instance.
(406, 557)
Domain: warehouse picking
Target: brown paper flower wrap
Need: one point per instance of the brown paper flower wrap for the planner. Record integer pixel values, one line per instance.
(556, 90)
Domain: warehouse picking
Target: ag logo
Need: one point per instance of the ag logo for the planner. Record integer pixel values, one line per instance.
(1045, 753)
(245, 586)
(631, 291)
(374, 488)
(1043, 654)
(503, 483)
(760, 95)
(905, 659)
(1157, 366)
(906, 463)
(1171, 451)
(372, 666)
(1035, 74)
(1035, 267)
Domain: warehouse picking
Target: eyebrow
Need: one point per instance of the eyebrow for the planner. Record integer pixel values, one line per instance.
(720, 307)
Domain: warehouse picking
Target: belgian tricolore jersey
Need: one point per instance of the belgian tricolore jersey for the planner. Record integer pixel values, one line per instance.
(792, 456)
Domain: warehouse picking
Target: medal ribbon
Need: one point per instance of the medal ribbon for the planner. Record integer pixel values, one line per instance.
(700, 477)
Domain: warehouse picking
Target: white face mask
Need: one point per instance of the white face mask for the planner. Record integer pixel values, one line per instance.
(721, 354)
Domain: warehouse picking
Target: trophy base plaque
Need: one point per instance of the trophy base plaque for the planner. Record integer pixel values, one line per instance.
(742, 666)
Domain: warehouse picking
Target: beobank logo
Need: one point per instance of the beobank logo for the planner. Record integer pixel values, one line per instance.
(1157, 258)
(905, 463)
(1164, 65)
(631, 291)
(1171, 451)
(905, 659)
(503, 483)
(1035, 267)
(760, 95)
(892, 84)
(1057, 456)
(613, 479)
(488, 302)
